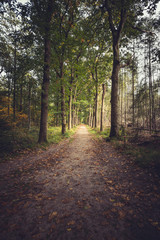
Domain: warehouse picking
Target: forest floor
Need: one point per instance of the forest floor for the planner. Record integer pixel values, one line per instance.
(79, 189)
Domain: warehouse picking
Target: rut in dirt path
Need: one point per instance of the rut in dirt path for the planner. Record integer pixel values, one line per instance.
(83, 190)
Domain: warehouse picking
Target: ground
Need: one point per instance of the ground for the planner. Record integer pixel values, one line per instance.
(80, 189)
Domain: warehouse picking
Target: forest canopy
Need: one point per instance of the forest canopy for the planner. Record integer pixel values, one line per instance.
(69, 62)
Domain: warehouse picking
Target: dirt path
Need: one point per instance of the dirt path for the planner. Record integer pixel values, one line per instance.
(78, 190)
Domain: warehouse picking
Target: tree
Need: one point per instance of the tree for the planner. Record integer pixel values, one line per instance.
(121, 14)
(44, 11)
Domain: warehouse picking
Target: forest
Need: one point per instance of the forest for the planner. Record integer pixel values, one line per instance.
(80, 119)
(69, 62)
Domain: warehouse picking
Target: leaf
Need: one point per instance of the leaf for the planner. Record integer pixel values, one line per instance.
(118, 204)
(109, 181)
(52, 215)
(154, 223)
(71, 223)
(87, 206)
(111, 200)
(121, 214)
(69, 229)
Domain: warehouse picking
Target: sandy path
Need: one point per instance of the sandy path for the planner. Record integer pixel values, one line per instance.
(83, 190)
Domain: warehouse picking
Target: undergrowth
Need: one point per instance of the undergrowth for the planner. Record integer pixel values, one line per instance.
(144, 156)
(16, 140)
(98, 134)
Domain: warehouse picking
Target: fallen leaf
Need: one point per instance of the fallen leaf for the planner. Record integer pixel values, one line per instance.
(52, 215)
(71, 223)
(69, 229)
(154, 223)
(121, 214)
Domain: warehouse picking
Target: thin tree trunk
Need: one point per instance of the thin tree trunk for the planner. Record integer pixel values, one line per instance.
(93, 121)
(133, 77)
(70, 111)
(14, 81)
(102, 107)
(73, 107)
(29, 106)
(70, 103)
(90, 116)
(57, 114)
(96, 100)
(63, 104)
(21, 95)
(122, 98)
(150, 87)
(8, 97)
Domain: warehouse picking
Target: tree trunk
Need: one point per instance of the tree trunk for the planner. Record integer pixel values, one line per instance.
(57, 114)
(102, 107)
(44, 94)
(116, 30)
(133, 77)
(122, 98)
(8, 97)
(21, 95)
(14, 81)
(96, 100)
(114, 93)
(93, 121)
(70, 110)
(45, 84)
(90, 116)
(29, 106)
(70, 103)
(63, 107)
(73, 107)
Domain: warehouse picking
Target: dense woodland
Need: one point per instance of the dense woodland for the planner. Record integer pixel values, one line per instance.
(69, 62)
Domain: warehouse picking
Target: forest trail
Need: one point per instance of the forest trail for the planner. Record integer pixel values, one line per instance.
(81, 189)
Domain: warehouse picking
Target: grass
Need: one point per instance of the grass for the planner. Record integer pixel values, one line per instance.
(17, 140)
(100, 135)
(144, 156)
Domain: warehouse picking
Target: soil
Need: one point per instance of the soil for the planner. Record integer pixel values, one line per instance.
(80, 189)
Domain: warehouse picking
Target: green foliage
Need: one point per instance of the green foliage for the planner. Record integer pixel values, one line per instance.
(18, 140)
(98, 134)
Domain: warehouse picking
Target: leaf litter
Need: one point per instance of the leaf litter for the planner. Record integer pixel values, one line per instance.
(80, 189)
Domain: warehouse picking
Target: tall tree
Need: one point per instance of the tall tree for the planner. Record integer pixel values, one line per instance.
(48, 14)
(121, 16)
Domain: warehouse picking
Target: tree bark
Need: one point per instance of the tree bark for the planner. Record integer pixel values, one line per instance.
(44, 94)
(21, 95)
(73, 107)
(29, 105)
(90, 116)
(8, 96)
(102, 107)
(46, 75)
(57, 114)
(96, 100)
(14, 81)
(133, 80)
(116, 34)
(70, 103)
(63, 107)
(114, 93)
